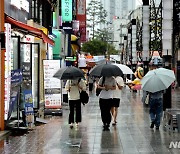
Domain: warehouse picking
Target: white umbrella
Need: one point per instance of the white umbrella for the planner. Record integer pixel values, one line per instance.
(125, 69)
(157, 80)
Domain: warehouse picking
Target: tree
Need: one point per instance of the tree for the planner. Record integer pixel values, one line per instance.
(95, 15)
(98, 47)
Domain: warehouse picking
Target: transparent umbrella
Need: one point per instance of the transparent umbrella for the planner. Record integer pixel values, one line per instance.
(157, 80)
(125, 69)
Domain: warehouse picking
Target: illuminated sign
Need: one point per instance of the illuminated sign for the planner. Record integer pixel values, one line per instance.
(70, 58)
(66, 7)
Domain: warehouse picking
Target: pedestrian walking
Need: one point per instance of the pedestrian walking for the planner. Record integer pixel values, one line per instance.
(73, 88)
(107, 84)
(91, 84)
(116, 98)
(156, 108)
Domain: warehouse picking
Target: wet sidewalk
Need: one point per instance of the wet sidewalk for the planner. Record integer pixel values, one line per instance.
(131, 134)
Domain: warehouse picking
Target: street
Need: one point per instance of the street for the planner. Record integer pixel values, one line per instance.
(131, 134)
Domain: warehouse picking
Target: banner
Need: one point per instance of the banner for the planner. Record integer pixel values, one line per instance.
(66, 8)
(52, 85)
(81, 16)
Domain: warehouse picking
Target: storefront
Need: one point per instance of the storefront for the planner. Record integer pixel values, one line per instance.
(29, 48)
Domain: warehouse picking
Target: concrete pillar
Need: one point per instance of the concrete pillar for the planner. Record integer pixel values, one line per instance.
(134, 51)
(2, 67)
(167, 26)
(145, 35)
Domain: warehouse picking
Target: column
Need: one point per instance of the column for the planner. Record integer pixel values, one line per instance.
(145, 35)
(2, 51)
(134, 52)
(167, 26)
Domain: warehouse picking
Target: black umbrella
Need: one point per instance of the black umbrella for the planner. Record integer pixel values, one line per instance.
(69, 73)
(106, 70)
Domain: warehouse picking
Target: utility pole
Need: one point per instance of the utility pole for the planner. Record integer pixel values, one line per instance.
(2, 67)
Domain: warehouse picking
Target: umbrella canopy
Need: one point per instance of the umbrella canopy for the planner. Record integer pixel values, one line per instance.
(157, 80)
(69, 73)
(106, 70)
(125, 69)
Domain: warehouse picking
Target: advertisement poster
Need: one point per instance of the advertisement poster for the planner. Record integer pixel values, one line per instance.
(29, 112)
(52, 85)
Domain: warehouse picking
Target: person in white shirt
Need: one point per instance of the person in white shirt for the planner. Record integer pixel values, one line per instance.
(116, 98)
(73, 88)
(82, 61)
(105, 99)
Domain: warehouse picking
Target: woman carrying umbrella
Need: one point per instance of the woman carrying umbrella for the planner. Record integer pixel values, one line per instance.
(105, 99)
(107, 84)
(73, 88)
(116, 98)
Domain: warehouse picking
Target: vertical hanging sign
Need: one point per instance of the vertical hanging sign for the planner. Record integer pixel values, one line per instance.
(7, 69)
(66, 8)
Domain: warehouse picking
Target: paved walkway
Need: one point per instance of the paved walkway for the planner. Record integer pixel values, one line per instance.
(131, 135)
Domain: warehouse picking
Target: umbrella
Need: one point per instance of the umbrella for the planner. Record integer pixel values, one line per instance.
(125, 69)
(106, 70)
(69, 73)
(157, 80)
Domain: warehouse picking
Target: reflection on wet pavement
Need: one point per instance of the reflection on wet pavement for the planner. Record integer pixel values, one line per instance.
(131, 134)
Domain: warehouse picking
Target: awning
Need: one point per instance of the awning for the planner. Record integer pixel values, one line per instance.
(31, 30)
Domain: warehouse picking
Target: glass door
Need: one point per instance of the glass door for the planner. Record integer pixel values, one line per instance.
(29, 63)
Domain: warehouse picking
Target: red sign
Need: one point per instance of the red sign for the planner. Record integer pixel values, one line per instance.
(81, 16)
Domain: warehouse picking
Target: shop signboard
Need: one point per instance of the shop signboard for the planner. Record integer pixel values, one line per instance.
(66, 8)
(7, 68)
(16, 76)
(70, 58)
(52, 85)
(81, 17)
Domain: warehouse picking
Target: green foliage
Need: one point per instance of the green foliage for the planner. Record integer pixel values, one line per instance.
(95, 15)
(103, 34)
(98, 47)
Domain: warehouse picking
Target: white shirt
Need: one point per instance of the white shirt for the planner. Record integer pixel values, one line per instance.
(107, 94)
(117, 91)
(73, 89)
(82, 62)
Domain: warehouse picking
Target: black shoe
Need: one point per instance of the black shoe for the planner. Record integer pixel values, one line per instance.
(106, 128)
(157, 127)
(152, 125)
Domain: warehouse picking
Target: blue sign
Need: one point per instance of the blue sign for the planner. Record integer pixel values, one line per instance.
(29, 108)
(27, 96)
(16, 76)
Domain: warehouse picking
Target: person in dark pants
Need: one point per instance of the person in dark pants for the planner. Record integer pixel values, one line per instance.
(156, 108)
(73, 88)
(105, 99)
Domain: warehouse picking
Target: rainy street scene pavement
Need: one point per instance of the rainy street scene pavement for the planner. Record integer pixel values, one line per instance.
(132, 134)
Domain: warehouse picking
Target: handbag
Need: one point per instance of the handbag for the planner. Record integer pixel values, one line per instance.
(98, 90)
(84, 97)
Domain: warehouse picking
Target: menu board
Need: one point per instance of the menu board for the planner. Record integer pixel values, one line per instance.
(52, 86)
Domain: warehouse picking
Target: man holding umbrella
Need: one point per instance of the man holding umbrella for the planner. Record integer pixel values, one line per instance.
(155, 82)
